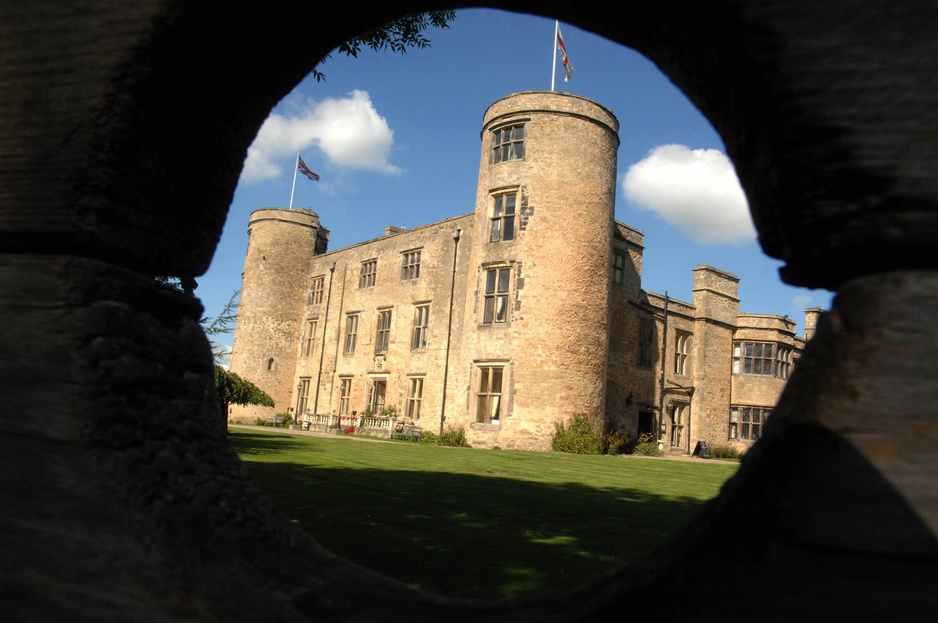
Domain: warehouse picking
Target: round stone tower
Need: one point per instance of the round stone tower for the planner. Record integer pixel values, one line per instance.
(541, 264)
(273, 293)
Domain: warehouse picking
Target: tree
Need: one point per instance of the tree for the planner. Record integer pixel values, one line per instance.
(232, 389)
(220, 324)
(398, 35)
(229, 387)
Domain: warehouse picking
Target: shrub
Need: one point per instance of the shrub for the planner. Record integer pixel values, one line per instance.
(646, 445)
(582, 435)
(259, 421)
(615, 443)
(724, 452)
(232, 389)
(428, 437)
(287, 418)
(454, 437)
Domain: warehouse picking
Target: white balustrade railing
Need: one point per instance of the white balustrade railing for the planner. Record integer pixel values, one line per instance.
(372, 425)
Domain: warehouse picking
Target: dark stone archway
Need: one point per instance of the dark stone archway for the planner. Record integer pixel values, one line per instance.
(124, 132)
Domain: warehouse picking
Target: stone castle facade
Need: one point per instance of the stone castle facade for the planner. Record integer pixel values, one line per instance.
(511, 318)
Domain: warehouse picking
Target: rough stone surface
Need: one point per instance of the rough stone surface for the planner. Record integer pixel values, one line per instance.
(123, 139)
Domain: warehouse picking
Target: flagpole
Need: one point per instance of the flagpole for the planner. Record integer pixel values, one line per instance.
(553, 71)
(296, 165)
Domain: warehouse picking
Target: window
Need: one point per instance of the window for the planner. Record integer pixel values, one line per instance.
(645, 336)
(302, 399)
(765, 358)
(384, 331)
(421, 327)
(681, 350)
(368, 274)
(678, 417)
(746, 422)
(345, 394)
(315, 290)
(495, 307)
(309, 337)
(489, 394)
(410, 264)
(508, 143)
(503, 217)
(379, 389)
(415, 398)
(783, 362)
(618, 268)
(351, 333)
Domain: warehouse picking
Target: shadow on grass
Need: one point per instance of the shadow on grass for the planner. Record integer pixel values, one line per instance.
(463, 535)
(248, 443)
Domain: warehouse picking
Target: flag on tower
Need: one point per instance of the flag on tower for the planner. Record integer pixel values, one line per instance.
(305, 170)
(567, 67)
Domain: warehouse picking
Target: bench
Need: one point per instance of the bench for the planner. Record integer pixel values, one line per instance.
(409, 432)
(277, 420)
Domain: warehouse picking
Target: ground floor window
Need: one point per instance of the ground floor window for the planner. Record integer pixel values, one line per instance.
(379, 391)
(489, 394)
(678, 421)
(345, 394)
(746, 422)
(415, 398)
(302, 399)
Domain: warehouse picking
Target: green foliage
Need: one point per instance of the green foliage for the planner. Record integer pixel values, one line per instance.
(429, 437)
(186, 285)
(614, 443)
(287, 418)
(724, 452)
(398, 35)
(453, 437)
(259, 421)
(646, 446)
(232, 389)
(582, 435)
(223, 322)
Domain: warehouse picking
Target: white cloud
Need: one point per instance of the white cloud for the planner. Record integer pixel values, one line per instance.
(694, 189)
(349, 131)
(803, 301)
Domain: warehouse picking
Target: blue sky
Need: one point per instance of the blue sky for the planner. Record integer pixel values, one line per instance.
(395, 139)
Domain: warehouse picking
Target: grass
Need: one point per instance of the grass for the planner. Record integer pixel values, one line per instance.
(477, 523)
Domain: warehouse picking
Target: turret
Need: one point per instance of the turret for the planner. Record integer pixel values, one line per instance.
(274, 286)
(540, 262)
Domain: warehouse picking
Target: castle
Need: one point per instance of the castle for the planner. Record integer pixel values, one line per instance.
(511, 318)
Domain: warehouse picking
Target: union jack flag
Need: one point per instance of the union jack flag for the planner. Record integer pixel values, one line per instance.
(305, 170)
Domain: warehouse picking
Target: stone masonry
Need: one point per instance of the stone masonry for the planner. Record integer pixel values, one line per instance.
(507, 320)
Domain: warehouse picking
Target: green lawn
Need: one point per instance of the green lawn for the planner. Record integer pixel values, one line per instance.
(477, 523)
